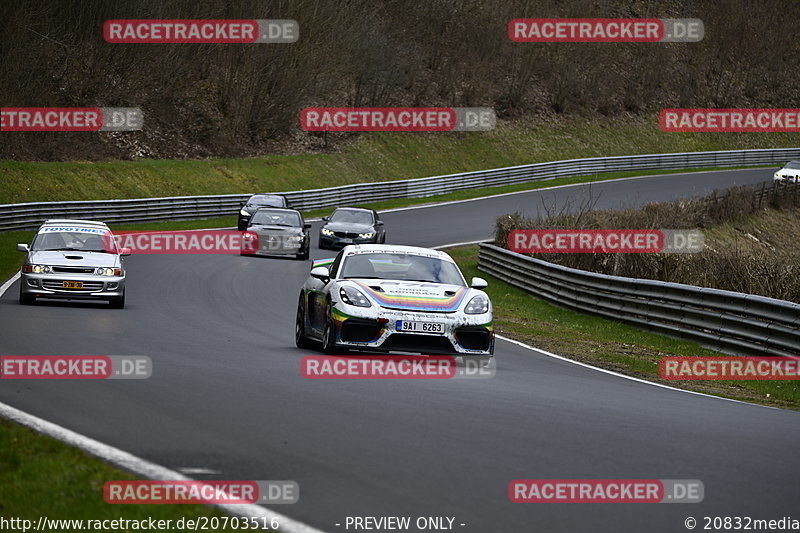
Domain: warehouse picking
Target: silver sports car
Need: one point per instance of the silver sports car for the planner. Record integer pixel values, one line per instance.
(383, 298)
(73, 259)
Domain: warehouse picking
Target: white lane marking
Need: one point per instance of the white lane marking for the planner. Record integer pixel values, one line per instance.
(141, 467)
(611, 372)
(4, 287)
(190, 470)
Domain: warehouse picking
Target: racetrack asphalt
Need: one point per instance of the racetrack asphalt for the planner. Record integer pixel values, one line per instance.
(227, 395)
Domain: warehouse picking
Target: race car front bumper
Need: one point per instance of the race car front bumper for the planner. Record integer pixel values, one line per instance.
(461, 335)
(53, 286)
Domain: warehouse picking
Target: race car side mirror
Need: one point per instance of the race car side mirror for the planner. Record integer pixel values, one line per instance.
(321, 273)
(125, 252)
(22, 248)
(478, 283)
(326, 219)
(307, 225)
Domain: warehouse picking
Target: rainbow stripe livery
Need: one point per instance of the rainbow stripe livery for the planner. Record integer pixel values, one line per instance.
(444, 304)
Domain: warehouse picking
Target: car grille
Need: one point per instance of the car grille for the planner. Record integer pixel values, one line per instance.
(346, 234)
(88, 286)
(418, 343)
(73, 270)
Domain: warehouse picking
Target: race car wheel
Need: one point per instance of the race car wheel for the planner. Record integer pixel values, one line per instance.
(328, 345)
(26, 299)
(300, 339)
(328, 337)
(303, 256)
(119, 302)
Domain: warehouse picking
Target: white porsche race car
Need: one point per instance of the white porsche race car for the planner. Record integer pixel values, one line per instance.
(385, 298)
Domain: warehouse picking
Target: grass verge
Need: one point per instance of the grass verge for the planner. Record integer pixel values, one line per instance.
(367, 157)
(608, 344)
(41, 476)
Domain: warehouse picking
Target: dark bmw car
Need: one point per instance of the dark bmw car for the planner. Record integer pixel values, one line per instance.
(279, 232)
(256, 202)
(351, 225)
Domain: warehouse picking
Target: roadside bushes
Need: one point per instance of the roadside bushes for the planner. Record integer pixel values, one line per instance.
(751, 238)
(203, 100)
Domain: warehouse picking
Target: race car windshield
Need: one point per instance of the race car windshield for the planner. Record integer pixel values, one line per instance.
(273, 201)
(794, 165)
(274, 217)
(73, 241)
(351, 217)
(402, 267)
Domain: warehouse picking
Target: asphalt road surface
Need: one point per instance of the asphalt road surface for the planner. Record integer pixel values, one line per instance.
(227, 395)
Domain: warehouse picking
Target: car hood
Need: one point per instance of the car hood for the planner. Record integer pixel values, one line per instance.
(794, 172)
(73, 258)
(413, 295)
(347, 226)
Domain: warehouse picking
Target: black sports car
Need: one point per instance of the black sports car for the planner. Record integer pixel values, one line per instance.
(278, 231)
(256, 202)
(351, 225)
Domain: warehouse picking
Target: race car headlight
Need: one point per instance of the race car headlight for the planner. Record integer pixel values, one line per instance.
(478, 305)
(107, 271)
(294, 238)
(366, 235)
(38, 269)
(353, 296)
(326, 231)
(244, 213)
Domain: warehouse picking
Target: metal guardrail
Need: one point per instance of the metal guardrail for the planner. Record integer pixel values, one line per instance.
(730, 321)
(30, 215)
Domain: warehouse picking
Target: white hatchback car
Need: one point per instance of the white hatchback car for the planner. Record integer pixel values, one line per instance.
(73, 259)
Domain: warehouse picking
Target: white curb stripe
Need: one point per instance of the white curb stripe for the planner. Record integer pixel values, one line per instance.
(141, 467)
